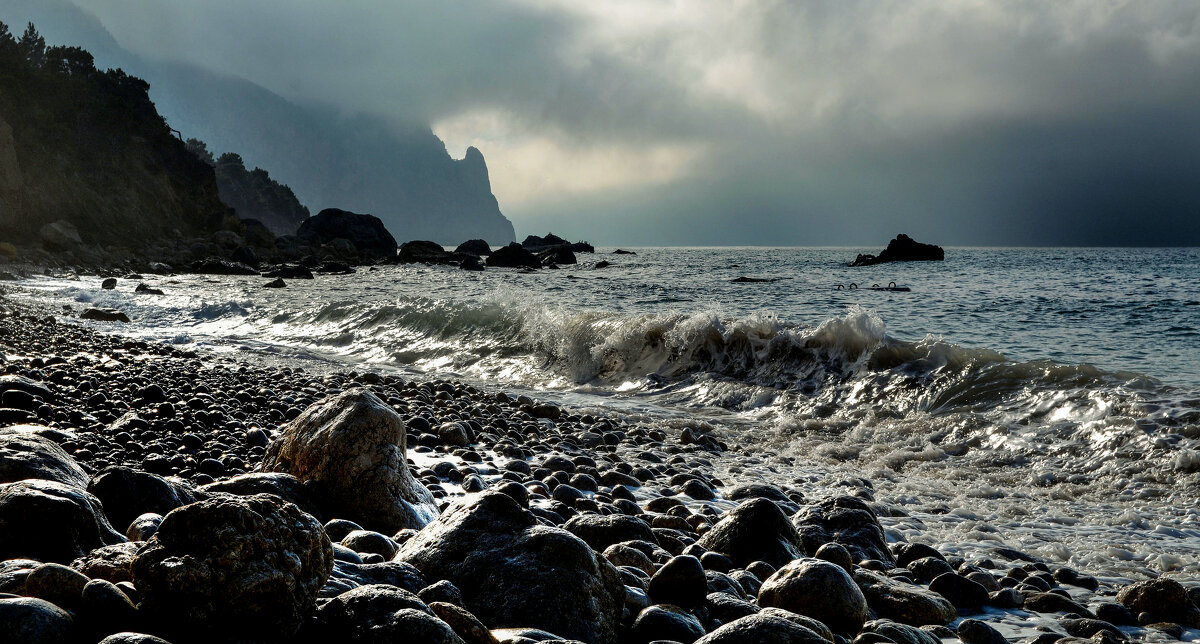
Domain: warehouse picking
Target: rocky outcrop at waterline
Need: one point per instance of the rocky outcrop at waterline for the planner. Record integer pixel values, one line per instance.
(903, 249)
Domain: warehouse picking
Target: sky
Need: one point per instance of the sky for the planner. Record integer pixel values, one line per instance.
(798, 122)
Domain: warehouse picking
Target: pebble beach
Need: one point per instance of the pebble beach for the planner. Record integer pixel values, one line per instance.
(155, 493)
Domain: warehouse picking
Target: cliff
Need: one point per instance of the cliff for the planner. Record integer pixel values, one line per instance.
(401, 173)
(87, 147)
(253, 194)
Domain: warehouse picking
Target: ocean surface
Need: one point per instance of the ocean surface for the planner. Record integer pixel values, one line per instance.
(1041, 398)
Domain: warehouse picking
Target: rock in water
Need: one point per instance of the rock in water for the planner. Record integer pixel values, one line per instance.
(515, 572)
(424, 252)
(248, 567)
(756, 530)
(370, 238)
(846, 520)
(50, 521)
(349, 451)
(477, 247)
(25, 455)
(513, 256)
(817, 589)
(903, 249)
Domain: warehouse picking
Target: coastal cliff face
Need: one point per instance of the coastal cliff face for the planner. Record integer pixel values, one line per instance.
(10, 176)
(401, 173)
(88, 148)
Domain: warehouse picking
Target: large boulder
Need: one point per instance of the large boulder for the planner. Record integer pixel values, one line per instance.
(349, 450)
(284, 486)
(367, 232)
(1164, 598)
(379, 614)
(476, 247)
(756, 530)
(603, 530)
(25, 620)
(818, 589)
(245, 566)
(513, 256)
(515, 572)
(424, 252)
(220, 266)
(26, 455)
(50, 521)
(128, 493)
(904, 603)
(846, 520)
(13, 382)
(903, 249)
(762, 629)
(60, 235)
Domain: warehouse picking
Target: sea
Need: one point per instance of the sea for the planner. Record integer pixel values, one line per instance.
(1043, 399)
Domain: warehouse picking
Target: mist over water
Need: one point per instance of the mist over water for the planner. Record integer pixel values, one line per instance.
(1007, 386)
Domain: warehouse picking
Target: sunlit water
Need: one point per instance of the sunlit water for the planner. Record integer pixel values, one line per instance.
(1045, 399)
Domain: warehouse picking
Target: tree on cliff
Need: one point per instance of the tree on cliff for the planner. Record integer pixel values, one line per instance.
(93, 150)
(253, 193)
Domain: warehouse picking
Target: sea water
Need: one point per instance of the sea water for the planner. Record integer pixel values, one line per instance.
(1044, 399)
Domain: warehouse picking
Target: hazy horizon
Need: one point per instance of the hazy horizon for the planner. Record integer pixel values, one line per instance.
(810, 124)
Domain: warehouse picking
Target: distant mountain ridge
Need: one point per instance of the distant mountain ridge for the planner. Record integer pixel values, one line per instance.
(359, 163)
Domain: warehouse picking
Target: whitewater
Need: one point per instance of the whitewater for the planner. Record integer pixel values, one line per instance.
(1040, 399)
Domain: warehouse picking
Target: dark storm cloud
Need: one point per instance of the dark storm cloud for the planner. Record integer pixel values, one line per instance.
(815, 122)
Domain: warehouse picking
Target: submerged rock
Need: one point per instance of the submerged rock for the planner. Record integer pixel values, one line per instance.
(513, 571)
(350, 453)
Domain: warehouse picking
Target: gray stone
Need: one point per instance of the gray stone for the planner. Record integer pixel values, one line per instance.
(514, 571)
(350, 452)
(252, 563)
(51, 522)
(818, 589)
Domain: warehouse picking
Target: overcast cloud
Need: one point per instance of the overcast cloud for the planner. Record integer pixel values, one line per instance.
(790, 122)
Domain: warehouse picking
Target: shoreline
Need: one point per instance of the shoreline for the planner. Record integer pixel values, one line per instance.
(453, 466)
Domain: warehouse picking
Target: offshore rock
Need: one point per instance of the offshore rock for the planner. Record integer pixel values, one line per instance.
(903, 249)
(476, 247)
(424, 252)
(514, 571)
(513, 256)
(349, 452)
(370, 238)
(233, 566)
